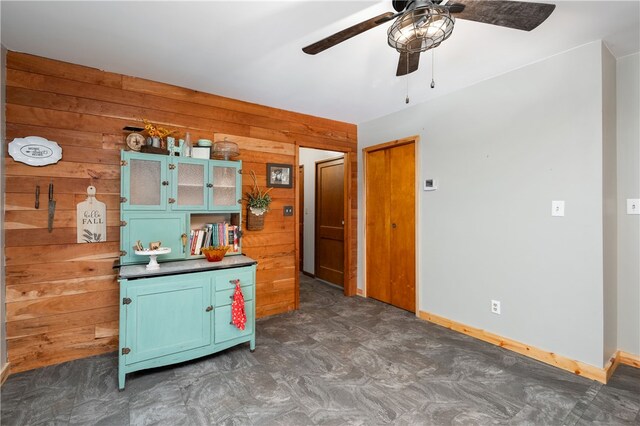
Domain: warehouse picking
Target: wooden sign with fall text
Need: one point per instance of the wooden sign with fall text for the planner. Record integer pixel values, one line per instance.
(91, 219)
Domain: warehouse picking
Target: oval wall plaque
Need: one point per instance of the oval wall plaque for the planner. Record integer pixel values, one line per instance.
(35, 151)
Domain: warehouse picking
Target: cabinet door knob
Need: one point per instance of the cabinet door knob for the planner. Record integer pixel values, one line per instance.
(165, 182)
(209, 185)
(209, 308)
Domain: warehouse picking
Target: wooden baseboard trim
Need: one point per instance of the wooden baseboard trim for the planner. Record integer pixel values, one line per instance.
(4, 373)
(360, 292)
(576, 367)
(627, 358)
(308, 274)
(611, 366)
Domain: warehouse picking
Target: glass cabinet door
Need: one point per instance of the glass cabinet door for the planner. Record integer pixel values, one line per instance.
(144, 181)
(226, 186)
(189, 184)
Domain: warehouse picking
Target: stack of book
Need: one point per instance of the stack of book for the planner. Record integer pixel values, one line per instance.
(217, 235)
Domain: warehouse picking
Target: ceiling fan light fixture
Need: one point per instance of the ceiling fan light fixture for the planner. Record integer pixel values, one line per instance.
(420, 29)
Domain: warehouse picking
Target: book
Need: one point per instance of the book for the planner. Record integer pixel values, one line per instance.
(192, 242)
(200, 235)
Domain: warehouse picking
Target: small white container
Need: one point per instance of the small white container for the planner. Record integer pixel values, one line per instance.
(201, 152)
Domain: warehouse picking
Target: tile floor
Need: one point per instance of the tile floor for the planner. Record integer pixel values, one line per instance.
(335, 361)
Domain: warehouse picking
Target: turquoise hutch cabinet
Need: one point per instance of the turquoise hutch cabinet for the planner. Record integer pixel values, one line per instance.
(182, 310)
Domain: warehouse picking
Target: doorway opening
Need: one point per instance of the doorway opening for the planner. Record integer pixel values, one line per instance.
(322, 208)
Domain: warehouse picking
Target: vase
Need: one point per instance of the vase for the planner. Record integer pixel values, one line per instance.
(255, 219)
(155, 142)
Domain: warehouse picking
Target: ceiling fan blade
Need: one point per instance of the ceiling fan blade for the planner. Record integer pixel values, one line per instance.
(408, 59)
(346, 34)
(511, 14)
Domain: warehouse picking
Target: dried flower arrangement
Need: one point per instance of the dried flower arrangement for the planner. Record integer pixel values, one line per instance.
(155, 131)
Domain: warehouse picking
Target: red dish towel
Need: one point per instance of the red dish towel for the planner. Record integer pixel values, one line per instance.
(238, 315)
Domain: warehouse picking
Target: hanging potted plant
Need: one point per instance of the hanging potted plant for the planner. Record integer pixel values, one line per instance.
(257, 205)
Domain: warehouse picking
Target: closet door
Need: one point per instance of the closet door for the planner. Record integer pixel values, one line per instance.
(390, 225)
(378, 226)
(402, 239)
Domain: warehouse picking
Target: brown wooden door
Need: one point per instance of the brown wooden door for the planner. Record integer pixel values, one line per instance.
(329, 261)
(378, 226)
(301, 216)
(390, 225)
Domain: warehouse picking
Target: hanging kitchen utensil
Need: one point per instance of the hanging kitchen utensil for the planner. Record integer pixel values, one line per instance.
(52, 206)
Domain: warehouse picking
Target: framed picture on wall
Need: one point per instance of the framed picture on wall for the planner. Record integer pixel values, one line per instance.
(279, 176)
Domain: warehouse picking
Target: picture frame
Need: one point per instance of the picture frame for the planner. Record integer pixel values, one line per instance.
(279, 175)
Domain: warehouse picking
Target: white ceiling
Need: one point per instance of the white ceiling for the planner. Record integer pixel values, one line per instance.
(252, 50)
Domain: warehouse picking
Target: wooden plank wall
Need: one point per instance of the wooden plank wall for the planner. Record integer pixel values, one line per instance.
(62, 297)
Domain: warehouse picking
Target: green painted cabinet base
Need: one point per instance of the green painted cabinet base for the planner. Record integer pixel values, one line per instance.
(174, 318)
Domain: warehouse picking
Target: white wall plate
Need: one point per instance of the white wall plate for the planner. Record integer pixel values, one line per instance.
(35, 151)
(557, 208)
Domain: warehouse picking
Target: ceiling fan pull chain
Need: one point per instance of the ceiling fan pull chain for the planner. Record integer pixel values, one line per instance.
(406, 101)
(433, 82)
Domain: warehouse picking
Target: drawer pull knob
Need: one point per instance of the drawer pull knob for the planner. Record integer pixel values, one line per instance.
(209, 308)
(234, 281)
(231, 297)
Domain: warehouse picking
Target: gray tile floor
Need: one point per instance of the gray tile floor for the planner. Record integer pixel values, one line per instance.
(335, 361)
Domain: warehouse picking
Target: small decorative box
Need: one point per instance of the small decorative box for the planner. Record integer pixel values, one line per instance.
(201, 152)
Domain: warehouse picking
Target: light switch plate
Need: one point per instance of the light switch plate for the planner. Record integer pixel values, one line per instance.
(633, 205)
(557, 208)
(288, 210)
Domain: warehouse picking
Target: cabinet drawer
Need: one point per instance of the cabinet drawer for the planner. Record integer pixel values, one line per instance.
(226, 280)
(225, 297)
(224, 330)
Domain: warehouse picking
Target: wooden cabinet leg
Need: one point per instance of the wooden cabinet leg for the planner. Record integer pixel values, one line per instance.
(121, 376)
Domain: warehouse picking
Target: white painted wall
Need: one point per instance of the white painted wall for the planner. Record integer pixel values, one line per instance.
(628, 100)
(609, 206)
(502, 150)
(307, 158)
(3, 334)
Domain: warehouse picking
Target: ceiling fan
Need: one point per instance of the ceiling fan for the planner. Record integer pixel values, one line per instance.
(424, 24)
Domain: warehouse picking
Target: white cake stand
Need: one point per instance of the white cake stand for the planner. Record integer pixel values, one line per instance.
(153, 255)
